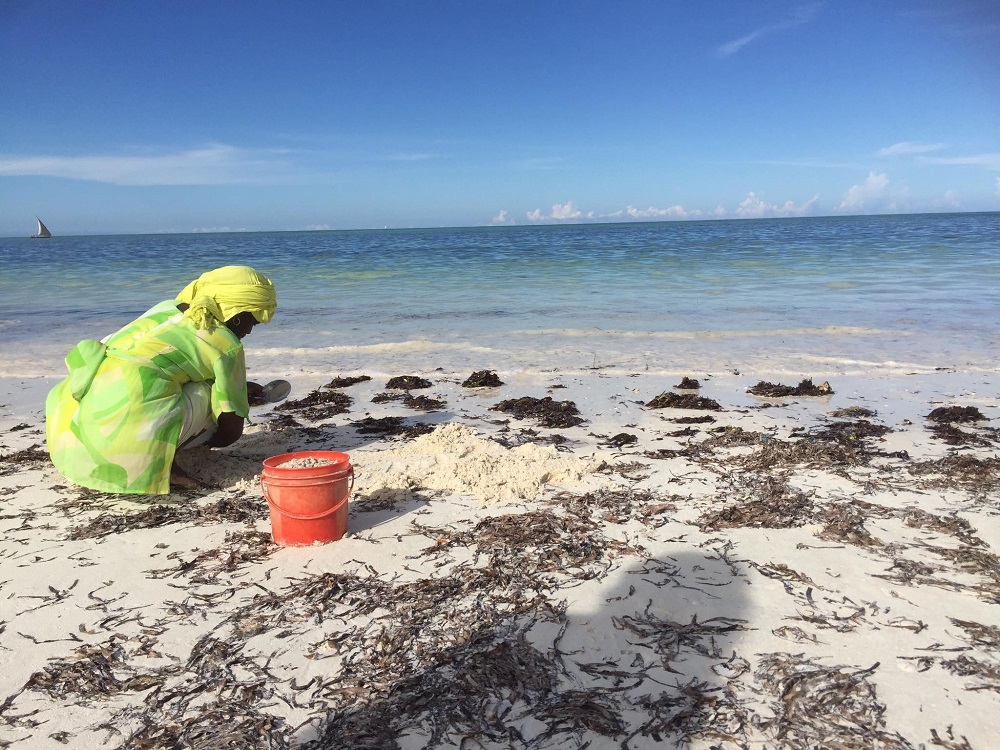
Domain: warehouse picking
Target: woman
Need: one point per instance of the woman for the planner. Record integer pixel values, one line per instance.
(174, 377)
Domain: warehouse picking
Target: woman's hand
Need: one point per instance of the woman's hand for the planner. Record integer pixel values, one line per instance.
(255, 394)
(229, 431)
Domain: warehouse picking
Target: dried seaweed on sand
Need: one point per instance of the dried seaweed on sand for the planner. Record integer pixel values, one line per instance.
(549, 413)
(777, 390)
(395, 426)
(482, 379)
(836, 708)
(671, 400)
(238, 507)
(23, 460)
(408, 382)
(317, 405)
(345, 382)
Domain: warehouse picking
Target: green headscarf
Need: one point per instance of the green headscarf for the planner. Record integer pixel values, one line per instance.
(216, 296)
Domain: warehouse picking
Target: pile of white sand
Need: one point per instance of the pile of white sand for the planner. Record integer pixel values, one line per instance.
(454, 459)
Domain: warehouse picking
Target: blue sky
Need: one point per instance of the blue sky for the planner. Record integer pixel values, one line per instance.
(183, 116)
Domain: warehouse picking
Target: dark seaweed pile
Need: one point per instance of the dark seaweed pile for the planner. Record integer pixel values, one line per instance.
(547, 412)
(482, 379)
(804, 388)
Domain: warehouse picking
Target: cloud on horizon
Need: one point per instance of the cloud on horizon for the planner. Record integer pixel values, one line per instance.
(869, 195)
(502, 219)
(217, 164)
(753, 207)
(560, 212)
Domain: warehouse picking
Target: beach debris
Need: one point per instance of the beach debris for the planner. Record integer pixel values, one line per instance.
(960, 414)
(549, 413)
(408, 383)
(804, 388)
(830, 707)
(768, 502)
(33, 457)
(237, 507)
(622, 439)
(853, 412)
(423, 403)
(347, 381)
(317, 405)
(482, 379)
(688, 384)
(394, 426)
(703, 419)
(671, 400)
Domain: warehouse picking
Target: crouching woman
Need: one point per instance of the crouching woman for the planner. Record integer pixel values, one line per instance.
(175, 377)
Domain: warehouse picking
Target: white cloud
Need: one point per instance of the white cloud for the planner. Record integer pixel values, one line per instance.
(872, 193)
(318, 228)
(990, 161)
(909, 147)
(998, 185)
(560, 212)
(753, 207)
(214, 165)
(502, 219)
(671, 212)
(799, 17)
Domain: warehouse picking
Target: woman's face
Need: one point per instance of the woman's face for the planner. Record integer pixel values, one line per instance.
(241, 324)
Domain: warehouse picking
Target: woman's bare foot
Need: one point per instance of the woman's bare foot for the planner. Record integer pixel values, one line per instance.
(181, 480)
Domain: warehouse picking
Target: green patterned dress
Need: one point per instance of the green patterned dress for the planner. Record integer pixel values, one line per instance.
(113, 424)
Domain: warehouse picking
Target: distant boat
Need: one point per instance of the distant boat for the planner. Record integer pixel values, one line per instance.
(43, 231)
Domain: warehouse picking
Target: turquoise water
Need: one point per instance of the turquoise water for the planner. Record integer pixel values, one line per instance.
(793, 294)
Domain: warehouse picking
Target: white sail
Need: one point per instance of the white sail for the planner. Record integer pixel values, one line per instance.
(43, 231)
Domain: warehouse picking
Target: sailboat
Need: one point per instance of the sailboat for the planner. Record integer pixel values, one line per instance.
(43, 231)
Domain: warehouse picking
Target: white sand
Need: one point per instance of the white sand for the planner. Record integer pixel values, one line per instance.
(665, 628)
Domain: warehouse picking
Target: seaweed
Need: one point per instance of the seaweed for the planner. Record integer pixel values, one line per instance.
(423, 403)
(482, 379)
(236, 508)
(345, 382)
(549, 413)
(395, 426)
(777, 390)
(689, 384)
(408, 383)
(831, 707)
(960, 414)
(670, 400)
(33, 457)
(317, 405)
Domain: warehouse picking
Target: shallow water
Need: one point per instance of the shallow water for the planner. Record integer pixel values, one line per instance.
(836, 294)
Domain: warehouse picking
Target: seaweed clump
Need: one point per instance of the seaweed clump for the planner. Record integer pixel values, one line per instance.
(549, 413)
(391, 426)
(777, 390)
(317, 405)
(482, 379)
(951, 414)
(688, 384)
(29, 458)
(670, 400)
(408, 383)
(344, 382)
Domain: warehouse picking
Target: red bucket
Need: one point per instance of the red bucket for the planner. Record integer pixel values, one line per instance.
(308, 504)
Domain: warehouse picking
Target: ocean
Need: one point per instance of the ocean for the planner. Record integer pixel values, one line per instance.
(806, 296)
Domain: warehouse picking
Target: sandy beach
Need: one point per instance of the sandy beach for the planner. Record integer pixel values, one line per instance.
(631, 570)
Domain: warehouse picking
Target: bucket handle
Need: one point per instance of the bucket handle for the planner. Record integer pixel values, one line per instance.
(300, 517)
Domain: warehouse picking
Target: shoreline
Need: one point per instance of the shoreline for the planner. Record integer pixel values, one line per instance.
(674, 586)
